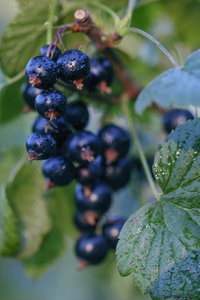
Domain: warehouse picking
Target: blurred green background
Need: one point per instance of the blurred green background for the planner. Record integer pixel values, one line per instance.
(173, 23)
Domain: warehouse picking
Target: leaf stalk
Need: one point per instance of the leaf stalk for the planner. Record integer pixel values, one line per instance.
(152, 39)
(126, 111)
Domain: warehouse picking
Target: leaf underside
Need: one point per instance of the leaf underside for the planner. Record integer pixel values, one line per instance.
(173, 87)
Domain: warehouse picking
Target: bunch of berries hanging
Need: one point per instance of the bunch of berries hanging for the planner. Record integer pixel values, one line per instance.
(97, 161)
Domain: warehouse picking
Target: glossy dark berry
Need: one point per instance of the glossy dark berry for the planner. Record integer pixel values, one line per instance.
(115, 142)
(73, 65)
(97, 200)
(58, 170)
(29, 93)
(41, 72)
(77, 114)
(88, 173)
(111, 230)
(40, 146)
(100, 70)
(83, 146)
(54, 53)
(174, 117)
(92, 248)
(59, 129)
(82, 224)
(117, 174)
(51, 104)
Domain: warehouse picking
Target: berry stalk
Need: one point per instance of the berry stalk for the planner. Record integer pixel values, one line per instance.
(126, 110)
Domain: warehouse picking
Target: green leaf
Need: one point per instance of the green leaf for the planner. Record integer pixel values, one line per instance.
(15, 133)
(60, 208)
(180, 281)
(161, 234)
(51, 248)
(23, 192)
(33, 223)
(173, 87)
(9, 233)
(11, 102)
(24, 36)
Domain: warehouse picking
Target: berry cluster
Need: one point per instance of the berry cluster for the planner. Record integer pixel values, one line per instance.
(97, 161)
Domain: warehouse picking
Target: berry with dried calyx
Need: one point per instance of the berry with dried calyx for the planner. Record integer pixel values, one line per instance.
(51, 104)
(82, 146)
(42, 72)
(58, 171)
(40, 146)
(115, 142)
(74, 65)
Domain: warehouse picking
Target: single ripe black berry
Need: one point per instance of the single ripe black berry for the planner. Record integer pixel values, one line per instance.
(115, 142)
(77, 114)
(111, 230)
(174, 117)
(40, 146)
(117, 174)
(97, 200)
(58, 170)
(73, 65)
(82, 146)
(51, 104)
(82, 223)
(88, 172)
(59, 129)
(29, 93)
(100, 70)
(91, 248)
(54, 53)
(41, 72)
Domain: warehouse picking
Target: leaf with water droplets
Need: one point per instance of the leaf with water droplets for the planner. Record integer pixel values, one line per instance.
(162, 235)
(175, 86)
(179, 282)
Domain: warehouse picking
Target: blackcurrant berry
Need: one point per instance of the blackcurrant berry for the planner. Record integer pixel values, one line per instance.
(29, 93)
(41, 72)
(40, 146)
(87, 173)
(115, 142)
(58, 170)
(82, 224)
(98, 200)
(82, 146)
(100, 70)
(111, 230)
(73, 65)
(77, 114)
(117, 174)
(54, 53)
(174, 117)
(51, 104)
(59, 129)
(91, 248)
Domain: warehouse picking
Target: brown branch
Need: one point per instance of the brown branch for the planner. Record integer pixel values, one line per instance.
(104, 44)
